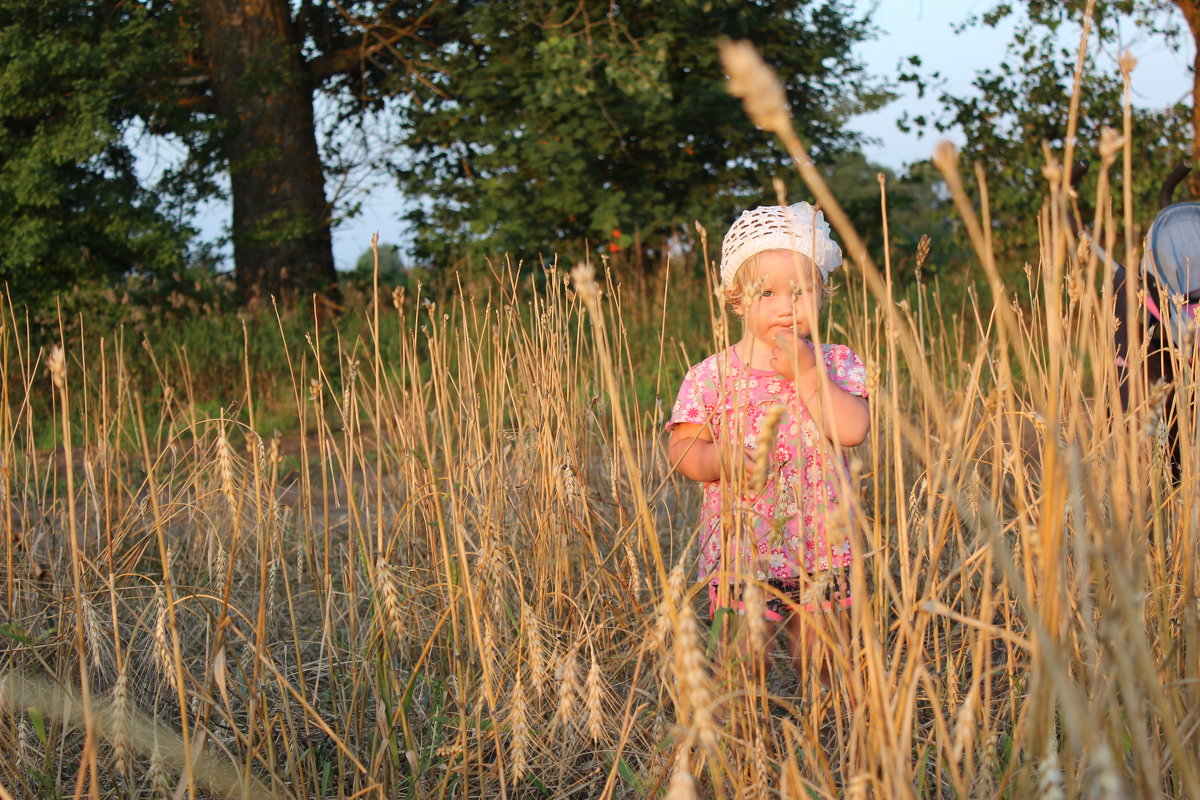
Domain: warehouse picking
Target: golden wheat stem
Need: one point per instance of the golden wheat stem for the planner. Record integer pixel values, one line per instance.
(88, 774)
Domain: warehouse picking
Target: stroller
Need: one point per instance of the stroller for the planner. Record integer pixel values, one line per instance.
(1170, 275)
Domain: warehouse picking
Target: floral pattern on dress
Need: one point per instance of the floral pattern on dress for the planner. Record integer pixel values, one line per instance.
(781, 530)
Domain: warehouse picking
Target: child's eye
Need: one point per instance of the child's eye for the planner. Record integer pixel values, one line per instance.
(768, 293)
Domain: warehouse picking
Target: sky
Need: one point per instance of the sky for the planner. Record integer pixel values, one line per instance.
(905, 27)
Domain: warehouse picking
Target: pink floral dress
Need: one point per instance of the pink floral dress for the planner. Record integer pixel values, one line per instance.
(790, 515)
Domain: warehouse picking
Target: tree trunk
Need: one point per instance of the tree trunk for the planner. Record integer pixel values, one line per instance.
(281, 236)
(1191, 13)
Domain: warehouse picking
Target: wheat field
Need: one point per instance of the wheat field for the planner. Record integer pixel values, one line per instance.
(467, 570)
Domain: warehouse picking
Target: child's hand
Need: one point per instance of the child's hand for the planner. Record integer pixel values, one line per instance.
(732, 454)
(792, 356)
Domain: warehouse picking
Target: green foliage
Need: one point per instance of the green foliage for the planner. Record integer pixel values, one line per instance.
(918, 204)
(1150, 16)
(392, 272)
(530, 131)
(610, 124)
(85, 83)
(1015, 108)
(73, 78)
(143, 303)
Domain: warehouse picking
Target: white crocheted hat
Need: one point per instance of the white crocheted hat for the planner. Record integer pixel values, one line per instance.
(798, 227)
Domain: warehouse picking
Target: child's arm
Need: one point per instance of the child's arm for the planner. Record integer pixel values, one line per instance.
(693, 452)
(841, 417)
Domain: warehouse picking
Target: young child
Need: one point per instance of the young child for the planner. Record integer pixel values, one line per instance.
(771, 517)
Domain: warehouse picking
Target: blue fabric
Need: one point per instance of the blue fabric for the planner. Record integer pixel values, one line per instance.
(1173, 248)
(1172, 259)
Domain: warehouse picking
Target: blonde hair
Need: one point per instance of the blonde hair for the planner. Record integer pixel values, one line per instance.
(747, 274)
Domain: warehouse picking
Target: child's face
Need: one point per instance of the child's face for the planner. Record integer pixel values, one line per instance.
(784, 296)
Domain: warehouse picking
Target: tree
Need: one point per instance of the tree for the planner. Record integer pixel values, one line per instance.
(1191, 15)
(391, 270)
(1152, 16)
(1024, 103)
(262, 88)
(71, 208)
(232, 81)
(531, 123)
(918, 205)
(559, 124)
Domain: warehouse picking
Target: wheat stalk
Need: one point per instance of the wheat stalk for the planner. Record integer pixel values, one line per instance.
(695, 684)
(57, 365)
(26, 751)
(389, 598)
(756, 85)
(964, 726)
(122, 753)
(1050, 777)
(568, 687)
(225, 460)
(668, 608)
(163, 657)
(683, 783)
(535, 650)
(758, 758)
(157, 776)
(858, 787)
(518, 724)
(633, 572)
(593, 702)
(93, 632)
(764, 449)
(754, 603)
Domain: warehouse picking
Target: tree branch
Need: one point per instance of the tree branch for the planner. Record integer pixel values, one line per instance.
(301, 19)
(189, 81)
(350, 58)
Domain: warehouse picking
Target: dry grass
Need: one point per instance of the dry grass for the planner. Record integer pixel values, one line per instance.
(471, 584)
